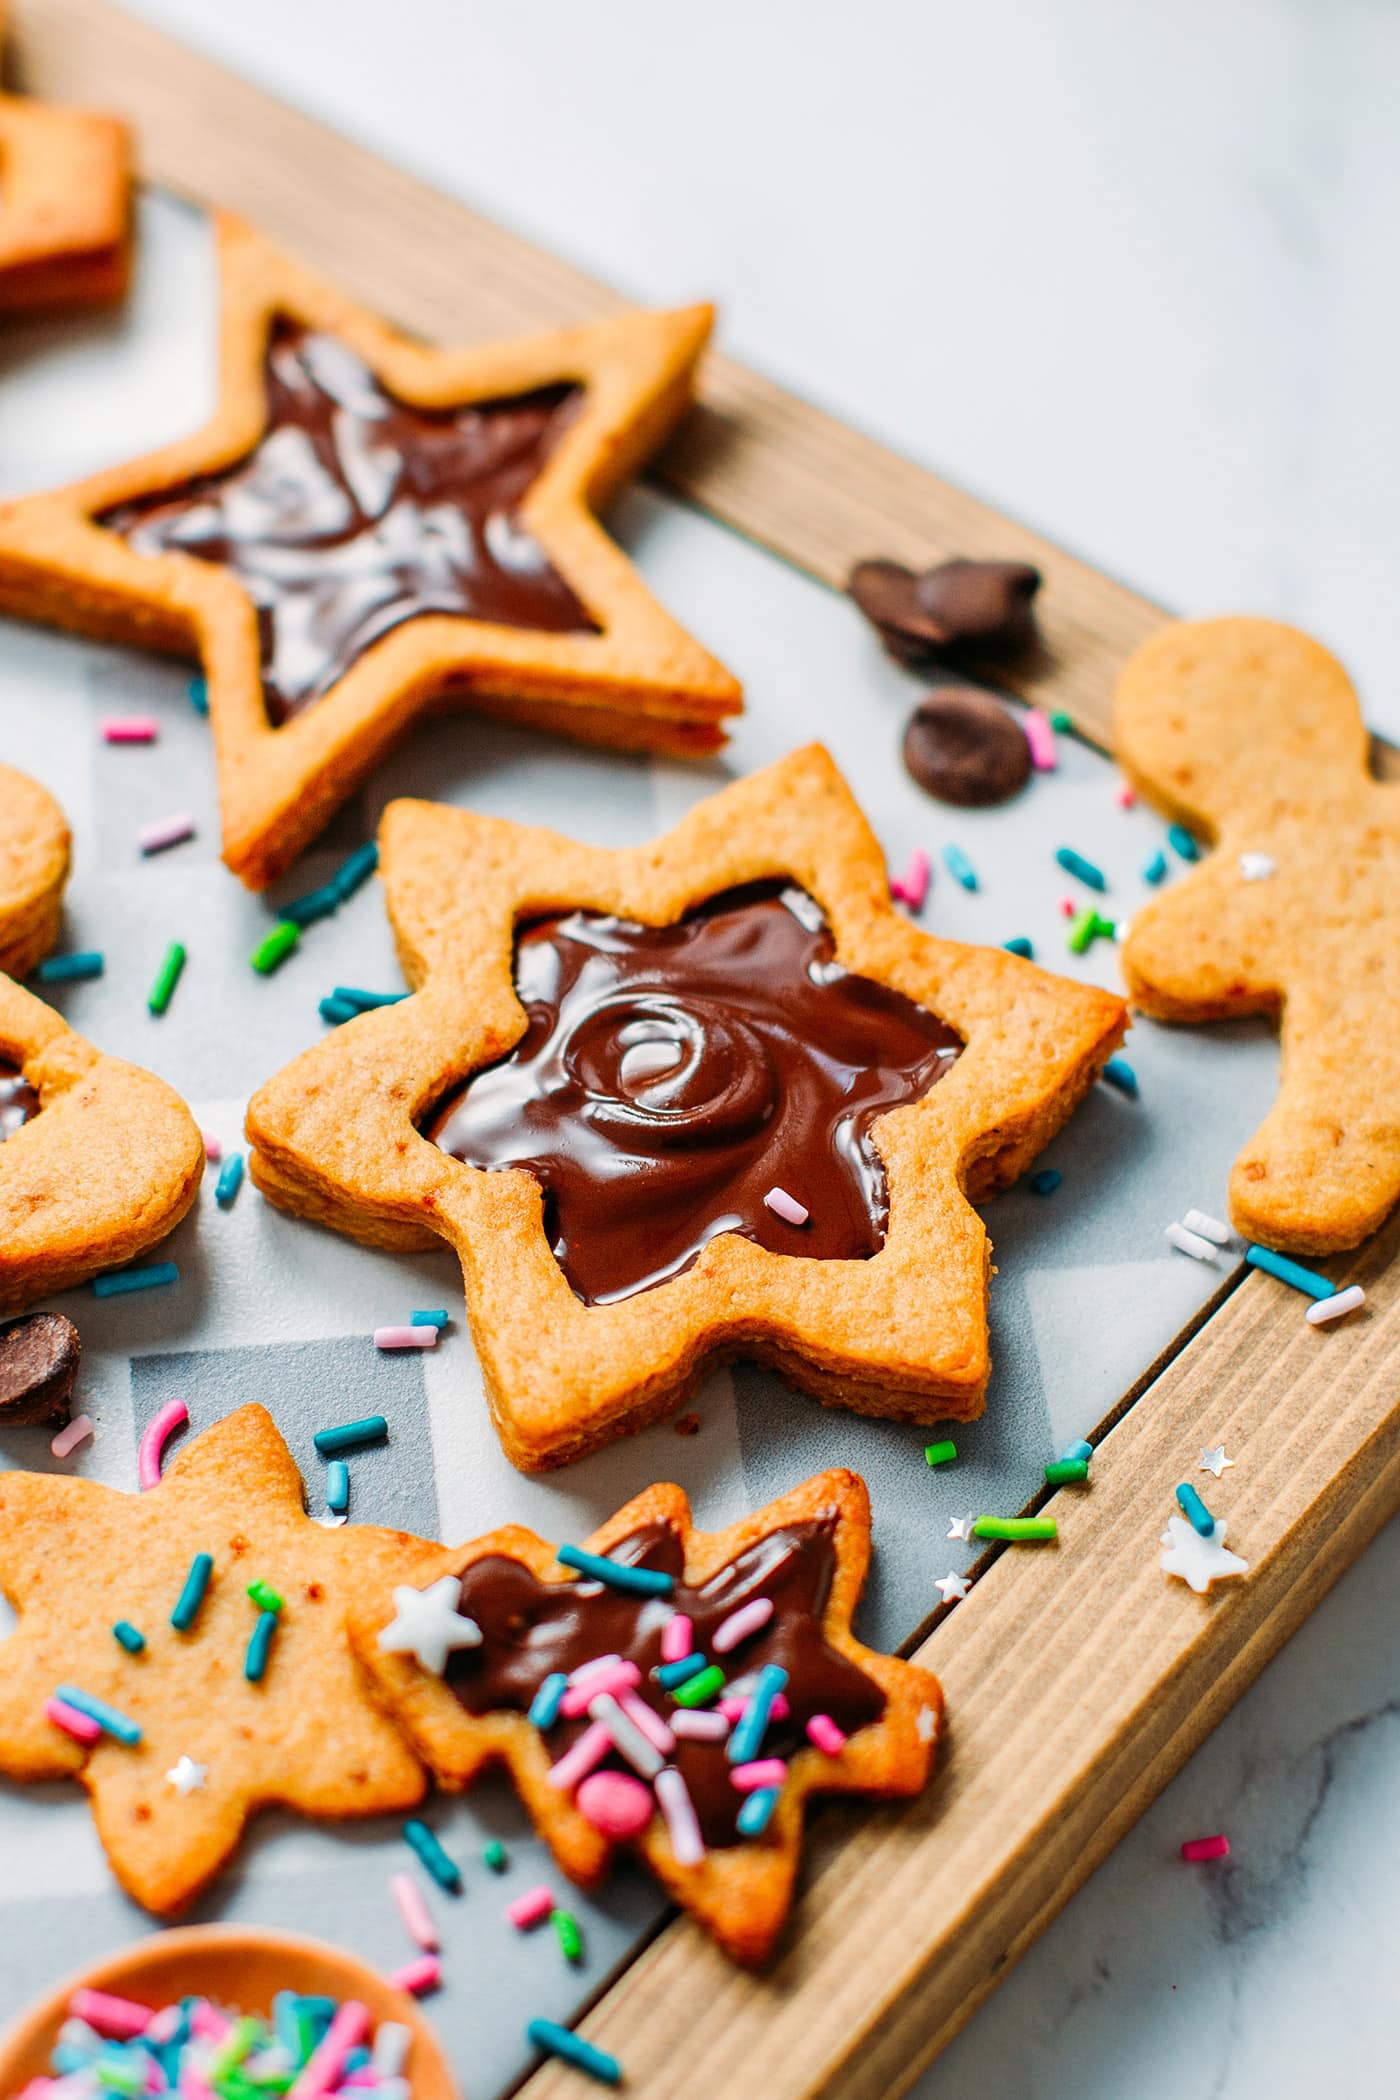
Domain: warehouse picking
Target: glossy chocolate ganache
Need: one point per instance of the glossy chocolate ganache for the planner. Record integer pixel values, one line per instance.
(356, 512)
(670, 1077)
(19, 1102)
(531, 1629)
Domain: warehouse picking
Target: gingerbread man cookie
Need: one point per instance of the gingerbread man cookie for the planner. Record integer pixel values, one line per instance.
(705, 1097)
(143, 1666)
(368, 528)
(1251, 733)
(675, 1690)
(98, 1159)
(34, 855)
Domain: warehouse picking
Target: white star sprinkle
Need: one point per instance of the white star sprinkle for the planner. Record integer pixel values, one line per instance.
(1257, 867)
(428, 1626)
(186, 1776)
(961, 1527)
(330, 1522)
(1198, 1561)
(954, 1588)
(927, 1724)
(1214, 1461)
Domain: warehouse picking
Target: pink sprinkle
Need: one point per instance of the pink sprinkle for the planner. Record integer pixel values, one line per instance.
(157, 1434)
(425, 1974)
(1125, 797)
(1206, 1848)
(615, 1803)
(786, 1207)
(698, 1725)
(912, 886)
(677, 1638)
(194, 2085)
(682, 1823)
(648, 1722)
(823, 1731)
(1041, 738)
(171, 831)
(68, 1439)
(121, 2019)
(590, 1750)
(741, 1623)
(764, 1771)
(424, 1337)
(413, 1909)
(208, 2022)
(593, 1667)
(213, 1149)
(532, 1908)
(1068, 907)
(165, 2024)
(732, 1707)
(323, 2067)
(130, 729)
(619, 1676)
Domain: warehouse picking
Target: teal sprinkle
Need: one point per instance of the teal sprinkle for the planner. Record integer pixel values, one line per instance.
(1019, 946)
(106, 1717)
(1079, 1450)
(353, 872)
(1195, 1510)
(444, 1869)
(337, 1487)
(192, 1595)
(130, 1639)
(365, 1002)
(334, 1012)
(428, 1319)
(1181, 841)
(1075, 864)
(1045, 1181)
(669, 1675)
(553, 2040)
(372, 1429)
(494, 1856)
(642, 1582)
(960, 867)
(1155, 870)
(119, 1281)
(316, 904)
(1118, 1072)
(259, 1647)
(1290, 1272)
(198, 690)
(544, 1707)
(71, 969)
(757, 1812)
(230, 1180)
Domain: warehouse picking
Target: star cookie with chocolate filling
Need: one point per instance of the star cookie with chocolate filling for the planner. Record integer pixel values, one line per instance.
(1250, 732)
(65, 205)
(205, 1714)
(707, 1097)
(34, 854)
(679, 1690)
(98, 1159)
(369, 528)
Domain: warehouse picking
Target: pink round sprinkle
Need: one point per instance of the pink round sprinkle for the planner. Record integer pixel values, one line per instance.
(119, 2018)
(413, 1909)
(213, 1147)
(425, 1974)
(677, 1638)
(823, 1731)
(1068, 908)
(786, 1207)
(156, 1435)
(1206, 1848)
(81, 1727)
(763, 1771)
(1041, 738)
(534, 1906)
(619, 1676)
(130, 729)
(171, 831)
(615, 1803)
(405, 1337)
(1126, 796)
(68, 1440)
(741, 1623)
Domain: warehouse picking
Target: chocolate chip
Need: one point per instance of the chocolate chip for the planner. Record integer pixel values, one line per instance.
(38, 1363)
(962, 746)
(961, 610)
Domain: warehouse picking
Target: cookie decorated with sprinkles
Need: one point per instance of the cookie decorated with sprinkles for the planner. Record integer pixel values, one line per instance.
(708, 1096)
(35, 849)
(679, 1692)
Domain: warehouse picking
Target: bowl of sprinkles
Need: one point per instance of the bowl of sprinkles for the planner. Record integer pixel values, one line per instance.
(222, 2012)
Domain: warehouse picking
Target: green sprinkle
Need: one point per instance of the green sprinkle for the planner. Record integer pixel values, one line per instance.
(1062, 1471)
(236, 2044)
(1018, 1528)
(192, 1595)
(259, 1647)
(939, 1454)
(275, 947)
(130, 1639)
(371, 1429)
(265, 1596)
(698, 1690)
(167, 977)
(1062, 723)
(494, 1856)
(566, 1931)
(1083, 930)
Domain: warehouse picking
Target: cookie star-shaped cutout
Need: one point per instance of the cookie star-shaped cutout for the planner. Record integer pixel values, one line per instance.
(1252, 733)
(75, 1557)
(428, 1626)
(1199, 1561)
(898, 1328)
(65, 206)
(368, 528)
(105, 1162)
(769, 1599)
(34, 855)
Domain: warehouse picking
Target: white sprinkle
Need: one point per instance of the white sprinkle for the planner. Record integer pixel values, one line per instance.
(1324, 1309)
(627, 1737)
(391, 2045)
(171, 831)
(1209, 1228)
(700, 1724)
(1257, 867)
(1190, 1243)
(682, 1824)
(69, 1439)
(786, 1207)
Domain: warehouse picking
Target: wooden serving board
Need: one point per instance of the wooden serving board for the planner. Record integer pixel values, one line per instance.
(1077, 1681)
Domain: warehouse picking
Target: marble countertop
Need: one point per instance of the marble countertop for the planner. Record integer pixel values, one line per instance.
(1128, 273)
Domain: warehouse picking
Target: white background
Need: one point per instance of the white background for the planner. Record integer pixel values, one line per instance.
(1130, 273)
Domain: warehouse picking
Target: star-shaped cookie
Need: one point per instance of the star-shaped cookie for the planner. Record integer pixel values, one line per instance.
(105, 1164)
(769, 1599)
(1251, 733)
(65, 205)
(76, 1558)
(368, 528)
(34, 852)
(338, 1135)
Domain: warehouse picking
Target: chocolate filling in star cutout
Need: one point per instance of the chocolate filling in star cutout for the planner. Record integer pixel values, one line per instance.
(671, 1077)
(357, 512)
